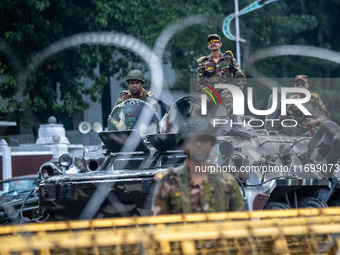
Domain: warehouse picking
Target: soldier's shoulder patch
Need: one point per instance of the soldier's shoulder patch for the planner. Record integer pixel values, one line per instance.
(175, 194)
(201, 59)
(160, 176)
(123, 93)
(229, 53)
(314, 95)
(149, 93)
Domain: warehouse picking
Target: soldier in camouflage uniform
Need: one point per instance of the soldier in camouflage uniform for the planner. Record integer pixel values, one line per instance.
(306, 125)
(220, 68)
(135, 80)
(186, 190)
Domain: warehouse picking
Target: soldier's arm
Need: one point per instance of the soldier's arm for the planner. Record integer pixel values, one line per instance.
(200, 69)
(161, 198)
(290, 109)
(121, 97)
(289, 112)
(236, 199)
(118, 102)
(239, 76)
(202, 80)
(323, 114)
(152, 102)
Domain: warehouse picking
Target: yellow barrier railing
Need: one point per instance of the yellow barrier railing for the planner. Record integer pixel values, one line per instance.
(303, 231)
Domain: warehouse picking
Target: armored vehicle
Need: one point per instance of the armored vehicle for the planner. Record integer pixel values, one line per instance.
(275, 171)
(279, 171)
(117, 179)
(15, 192)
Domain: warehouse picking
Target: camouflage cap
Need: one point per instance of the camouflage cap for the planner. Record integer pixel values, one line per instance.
(196, 126)
(301, 77)
(135, 75)
(214, 36)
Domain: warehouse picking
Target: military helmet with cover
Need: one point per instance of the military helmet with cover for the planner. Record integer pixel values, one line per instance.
(196, 126)
(135, 75)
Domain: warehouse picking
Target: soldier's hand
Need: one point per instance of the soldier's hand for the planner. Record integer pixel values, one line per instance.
(312, 122)
(288, 117)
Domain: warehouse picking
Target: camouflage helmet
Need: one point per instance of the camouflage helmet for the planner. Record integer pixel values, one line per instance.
(302, 77)
(196, 126)
(213, 36)
(135, 75)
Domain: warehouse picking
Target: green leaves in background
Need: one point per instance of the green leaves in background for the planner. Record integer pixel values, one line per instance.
(57, 86)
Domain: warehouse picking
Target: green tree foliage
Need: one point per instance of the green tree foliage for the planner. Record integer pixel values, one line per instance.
(31, 25)
(310, 23)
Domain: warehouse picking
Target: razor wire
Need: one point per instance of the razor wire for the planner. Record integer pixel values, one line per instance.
(312, 231)
(287, 50)
(152, 57)
(109, 38)
(165, 36)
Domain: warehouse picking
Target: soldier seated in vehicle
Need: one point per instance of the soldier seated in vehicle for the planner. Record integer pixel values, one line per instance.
(131, 103)
(135, 81)
(306, 125)
(186, 190)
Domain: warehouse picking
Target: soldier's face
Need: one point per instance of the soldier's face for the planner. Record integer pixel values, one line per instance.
(135, 86)
(198, 147)
(301, 84)
(214, 45)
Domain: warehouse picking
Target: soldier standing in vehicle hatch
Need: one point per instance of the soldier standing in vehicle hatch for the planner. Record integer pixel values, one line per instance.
(220, 68)
(306, 125)
(186, 190)
(135, 81)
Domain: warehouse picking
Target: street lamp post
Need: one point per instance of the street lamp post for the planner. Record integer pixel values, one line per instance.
(237, 26)
(227, 20)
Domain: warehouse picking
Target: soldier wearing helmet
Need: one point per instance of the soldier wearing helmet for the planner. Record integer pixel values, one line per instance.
(190, 188)
(135, 81)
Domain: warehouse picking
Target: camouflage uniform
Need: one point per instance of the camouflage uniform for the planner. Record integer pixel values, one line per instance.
(169, 196)
(145, 96)
(316, 107)
(225, 71)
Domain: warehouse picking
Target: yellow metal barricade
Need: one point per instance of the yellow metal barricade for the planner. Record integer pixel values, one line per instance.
(303, 231)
